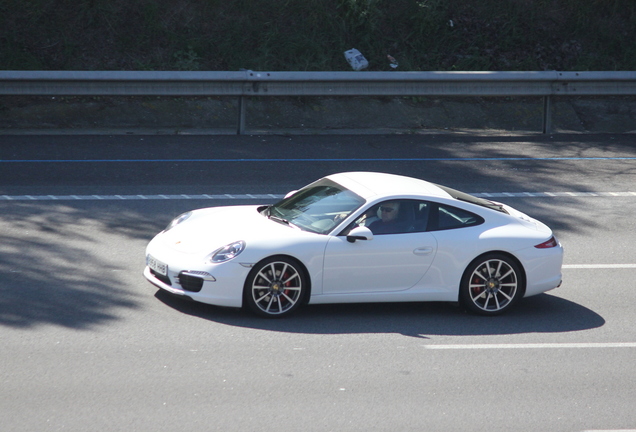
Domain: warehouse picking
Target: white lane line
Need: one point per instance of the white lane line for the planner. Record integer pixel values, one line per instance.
(531, 346)
(276, 196)
(598, 266)
(138, 197)
(610, 430)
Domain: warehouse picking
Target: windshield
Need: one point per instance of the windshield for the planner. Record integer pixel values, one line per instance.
(318, 207)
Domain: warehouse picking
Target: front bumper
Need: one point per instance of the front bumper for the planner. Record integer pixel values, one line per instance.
(224, 289)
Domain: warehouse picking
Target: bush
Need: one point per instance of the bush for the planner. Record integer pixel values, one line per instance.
(293, 35)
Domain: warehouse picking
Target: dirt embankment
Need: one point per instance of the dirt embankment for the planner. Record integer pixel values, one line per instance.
(311, 115)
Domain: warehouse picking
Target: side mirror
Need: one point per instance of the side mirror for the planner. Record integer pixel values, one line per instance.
(359, 233)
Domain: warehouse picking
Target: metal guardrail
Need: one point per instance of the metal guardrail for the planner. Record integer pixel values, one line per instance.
(244, 84)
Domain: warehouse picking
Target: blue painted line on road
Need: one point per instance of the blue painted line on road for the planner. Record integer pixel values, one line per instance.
(469, 159)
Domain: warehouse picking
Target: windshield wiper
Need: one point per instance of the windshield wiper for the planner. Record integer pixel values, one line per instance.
(282, 221)
(279, 219)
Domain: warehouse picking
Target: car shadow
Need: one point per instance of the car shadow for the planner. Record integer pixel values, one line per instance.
(544, 313)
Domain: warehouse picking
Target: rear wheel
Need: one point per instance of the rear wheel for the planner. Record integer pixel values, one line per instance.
(491, 285)
(275, 287)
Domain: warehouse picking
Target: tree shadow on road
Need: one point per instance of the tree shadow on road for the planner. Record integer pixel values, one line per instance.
(58, 265)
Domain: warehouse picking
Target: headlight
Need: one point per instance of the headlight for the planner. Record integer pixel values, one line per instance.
(227, 252)
(176, 221)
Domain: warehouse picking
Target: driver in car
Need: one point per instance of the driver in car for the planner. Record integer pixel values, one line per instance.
(388, 222)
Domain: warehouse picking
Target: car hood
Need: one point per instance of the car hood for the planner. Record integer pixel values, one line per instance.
(211, 228)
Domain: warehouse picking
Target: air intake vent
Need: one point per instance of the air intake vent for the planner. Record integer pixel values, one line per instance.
(190, 282)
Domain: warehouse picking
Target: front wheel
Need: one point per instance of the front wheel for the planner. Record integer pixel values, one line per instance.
(491, 285)
(275, 287)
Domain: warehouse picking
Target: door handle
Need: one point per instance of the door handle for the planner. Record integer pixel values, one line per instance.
(423, 251)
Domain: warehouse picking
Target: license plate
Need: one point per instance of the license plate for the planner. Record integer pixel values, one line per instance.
(157, 265)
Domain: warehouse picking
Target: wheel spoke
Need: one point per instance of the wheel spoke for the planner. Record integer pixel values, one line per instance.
(294, 276)
(264, 276)
(282, 272)
(497, 302)
(480, 295)
(269, 305)
(273, 271)
(261, 297)
(505, 295)
(489, 269)
(498, 271)
(485, 306)
(478, 273)
(289, 299)
(506, 275)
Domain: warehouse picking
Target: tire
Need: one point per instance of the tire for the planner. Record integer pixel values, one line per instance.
(275, 287)
(491, 285)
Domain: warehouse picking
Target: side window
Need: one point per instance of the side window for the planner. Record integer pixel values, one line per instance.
(396, 217)
(443, 217)
(422, 210)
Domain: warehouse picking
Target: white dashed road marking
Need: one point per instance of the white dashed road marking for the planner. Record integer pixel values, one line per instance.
(532, 346)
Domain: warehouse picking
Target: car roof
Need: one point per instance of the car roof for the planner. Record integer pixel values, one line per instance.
(370, 184)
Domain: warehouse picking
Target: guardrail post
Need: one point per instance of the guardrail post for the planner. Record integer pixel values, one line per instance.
(244, 84)
(241, 116)
(547, 114)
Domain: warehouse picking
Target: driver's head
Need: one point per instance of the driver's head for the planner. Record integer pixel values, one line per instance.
(389, 211)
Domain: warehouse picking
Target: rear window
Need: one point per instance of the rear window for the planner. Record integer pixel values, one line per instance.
(443, 217)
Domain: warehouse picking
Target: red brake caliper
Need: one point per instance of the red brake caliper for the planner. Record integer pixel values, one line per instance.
(288, 283)
(478, 289)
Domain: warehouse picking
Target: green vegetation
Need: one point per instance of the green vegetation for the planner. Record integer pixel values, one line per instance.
(304, 35)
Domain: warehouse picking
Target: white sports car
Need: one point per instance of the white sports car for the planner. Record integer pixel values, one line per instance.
(357, 237)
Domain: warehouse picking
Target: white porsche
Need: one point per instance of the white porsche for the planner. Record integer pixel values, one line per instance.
(357, 237)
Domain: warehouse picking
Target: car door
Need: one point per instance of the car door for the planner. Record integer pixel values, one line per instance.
(387, 262)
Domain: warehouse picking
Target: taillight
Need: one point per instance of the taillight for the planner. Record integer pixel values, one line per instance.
(548, 244)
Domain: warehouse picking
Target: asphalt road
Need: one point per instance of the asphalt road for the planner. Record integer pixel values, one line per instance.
(87, 344)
